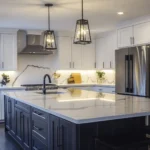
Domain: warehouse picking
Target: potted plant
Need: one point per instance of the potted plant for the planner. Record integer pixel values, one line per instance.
(5, 79)
(101, 76)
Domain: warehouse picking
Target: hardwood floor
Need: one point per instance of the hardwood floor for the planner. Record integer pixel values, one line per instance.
(6, 143)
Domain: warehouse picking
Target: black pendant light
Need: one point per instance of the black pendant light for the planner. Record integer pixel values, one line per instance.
(82, 31)
(49, 36)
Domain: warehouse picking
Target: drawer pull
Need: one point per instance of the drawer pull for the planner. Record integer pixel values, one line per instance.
(37, 128)
(35, 148)
(39, 114)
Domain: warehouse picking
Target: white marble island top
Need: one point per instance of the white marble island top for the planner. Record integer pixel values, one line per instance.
(80, 106)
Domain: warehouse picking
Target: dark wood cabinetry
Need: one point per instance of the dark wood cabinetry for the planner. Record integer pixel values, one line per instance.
(17, 122)
(62, 134)
(35, 129)
(9, 115)
(23, 126)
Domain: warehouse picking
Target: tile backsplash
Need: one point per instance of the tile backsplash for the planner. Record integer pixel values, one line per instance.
(88, 76)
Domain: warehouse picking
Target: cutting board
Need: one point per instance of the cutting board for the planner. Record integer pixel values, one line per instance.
(76, 77)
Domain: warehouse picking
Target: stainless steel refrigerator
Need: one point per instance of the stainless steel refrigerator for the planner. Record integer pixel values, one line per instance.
(133, 71)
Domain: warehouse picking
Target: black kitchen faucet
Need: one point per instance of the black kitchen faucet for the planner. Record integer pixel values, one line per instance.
(44, 79)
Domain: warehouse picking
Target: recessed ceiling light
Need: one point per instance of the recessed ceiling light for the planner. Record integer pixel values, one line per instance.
(120, 13)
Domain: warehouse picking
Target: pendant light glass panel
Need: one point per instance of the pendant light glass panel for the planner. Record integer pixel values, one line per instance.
(49, 40)
(82, 32)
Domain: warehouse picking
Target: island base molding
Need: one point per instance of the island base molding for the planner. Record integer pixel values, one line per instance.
(35, 129)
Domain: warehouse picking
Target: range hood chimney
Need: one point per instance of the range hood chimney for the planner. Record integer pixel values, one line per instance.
(33, 44)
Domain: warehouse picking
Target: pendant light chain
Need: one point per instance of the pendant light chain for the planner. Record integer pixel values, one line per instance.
(49, 17)
(82, 9)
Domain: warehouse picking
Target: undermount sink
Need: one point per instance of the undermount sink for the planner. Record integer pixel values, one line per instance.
(51, 92)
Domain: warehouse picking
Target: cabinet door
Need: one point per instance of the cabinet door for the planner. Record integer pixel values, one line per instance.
(100, 53)
(64, 51)
(103, 53)
(67, 135)
(1, 106)
(111, 46)
(141, 35)
(26, 130)
(76, 56)
(8, 52)
(54, 133)
(88, 56)
(8, 112)
(9, 115)
(19, 123)
(125, 36)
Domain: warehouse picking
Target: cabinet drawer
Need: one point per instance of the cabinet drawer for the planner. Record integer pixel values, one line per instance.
(37, 144)
(40, 130)
(22, 106)
(38, 114)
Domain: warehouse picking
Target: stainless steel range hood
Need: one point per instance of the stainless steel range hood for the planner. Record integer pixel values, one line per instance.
(33, 44)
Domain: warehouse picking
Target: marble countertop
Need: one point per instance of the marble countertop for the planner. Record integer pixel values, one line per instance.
(81, 106)
(86, 84)
(12, 88)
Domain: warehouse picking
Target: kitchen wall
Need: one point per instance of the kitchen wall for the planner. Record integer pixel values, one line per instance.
(31, 70)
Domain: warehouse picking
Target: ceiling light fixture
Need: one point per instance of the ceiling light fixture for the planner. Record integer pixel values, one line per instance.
(82, 31)
(120, 13)
(49, 36)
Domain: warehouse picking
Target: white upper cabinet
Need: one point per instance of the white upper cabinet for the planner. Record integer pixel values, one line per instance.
(141, 33)
(101, 53)
(105, 51)
(8, 51)
(134, 35)
(76, 56)
(125, 37)
(88, 56)
(64, 52)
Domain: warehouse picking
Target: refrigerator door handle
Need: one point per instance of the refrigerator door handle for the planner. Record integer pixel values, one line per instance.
(131, 73)
(126, 73)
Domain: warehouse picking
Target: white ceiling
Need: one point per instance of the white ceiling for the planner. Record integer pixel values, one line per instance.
(102, 14)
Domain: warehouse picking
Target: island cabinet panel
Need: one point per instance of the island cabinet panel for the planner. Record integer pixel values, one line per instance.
(86, 134)
(62, 134)
(37, 144)
(40, 126)
(23, 127)
(18, 122)
(9, 114)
